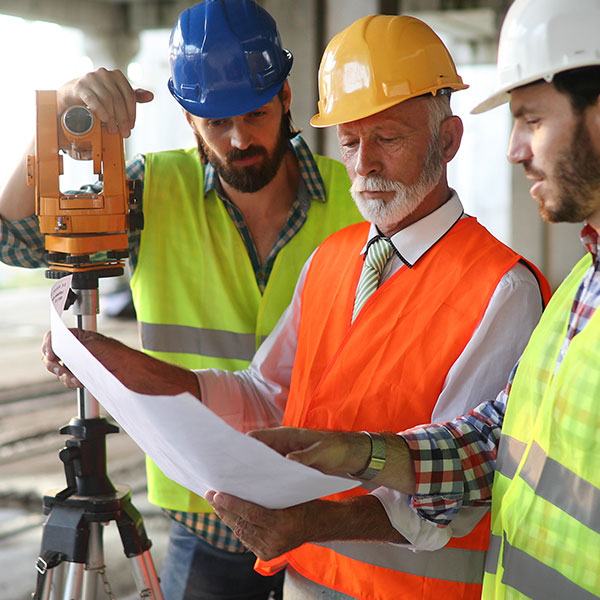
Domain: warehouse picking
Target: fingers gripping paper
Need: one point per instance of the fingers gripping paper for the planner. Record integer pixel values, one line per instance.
(187, 441)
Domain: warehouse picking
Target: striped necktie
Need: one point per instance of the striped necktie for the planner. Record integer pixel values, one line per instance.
(378, 253)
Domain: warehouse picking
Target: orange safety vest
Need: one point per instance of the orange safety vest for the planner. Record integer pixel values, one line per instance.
(384, 372)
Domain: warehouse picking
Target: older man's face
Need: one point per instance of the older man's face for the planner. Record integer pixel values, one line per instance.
(393, 161)
(560, 152)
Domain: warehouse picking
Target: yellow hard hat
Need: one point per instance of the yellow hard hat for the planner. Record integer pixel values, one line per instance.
(380, 61)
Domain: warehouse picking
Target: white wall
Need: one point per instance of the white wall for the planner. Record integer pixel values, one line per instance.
(160, 124)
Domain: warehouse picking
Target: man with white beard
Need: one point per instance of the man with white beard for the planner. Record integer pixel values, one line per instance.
(392, 320)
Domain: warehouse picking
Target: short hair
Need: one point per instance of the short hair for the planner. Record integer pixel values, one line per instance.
(581, 86)
(439, 110)
(287, 125)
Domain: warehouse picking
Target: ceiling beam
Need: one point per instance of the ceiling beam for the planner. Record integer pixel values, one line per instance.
(101, 17)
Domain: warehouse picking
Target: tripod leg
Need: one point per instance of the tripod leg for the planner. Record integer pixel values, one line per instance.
(73, 581)
(57, 578)
(94, 567)
(136, 546)
(143, 581)
(152, 573)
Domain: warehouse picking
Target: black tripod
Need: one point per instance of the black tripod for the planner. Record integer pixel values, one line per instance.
(71, 562)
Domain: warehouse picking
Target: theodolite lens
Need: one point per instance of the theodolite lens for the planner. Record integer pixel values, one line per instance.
(78, 120)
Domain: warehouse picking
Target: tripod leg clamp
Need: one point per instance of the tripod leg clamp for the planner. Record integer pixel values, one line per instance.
(48, 559)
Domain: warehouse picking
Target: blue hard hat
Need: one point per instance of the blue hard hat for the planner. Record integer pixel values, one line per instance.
(226, 58)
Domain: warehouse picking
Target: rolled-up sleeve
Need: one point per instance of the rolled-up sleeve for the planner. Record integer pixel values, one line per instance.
(455, 461)
(21, 243)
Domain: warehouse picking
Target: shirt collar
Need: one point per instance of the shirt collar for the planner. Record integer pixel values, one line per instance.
(412, 242)
(591, 240)
(309, 172)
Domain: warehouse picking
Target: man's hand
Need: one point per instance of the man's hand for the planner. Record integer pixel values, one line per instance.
(335, 452)
(109, 95)
(327, 451)
(53, 363)
(135, 370)
(267, 533)
(271, 533)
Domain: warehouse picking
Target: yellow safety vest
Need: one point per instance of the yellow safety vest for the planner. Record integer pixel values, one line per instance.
(194, 287)
(546, 495)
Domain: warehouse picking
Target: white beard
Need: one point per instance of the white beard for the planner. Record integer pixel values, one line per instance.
(387, 214)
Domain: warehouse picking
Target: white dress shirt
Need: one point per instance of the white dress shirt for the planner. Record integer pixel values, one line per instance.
(256, 397)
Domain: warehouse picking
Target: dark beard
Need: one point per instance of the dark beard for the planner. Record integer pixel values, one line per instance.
(577, 174)
(252, 178)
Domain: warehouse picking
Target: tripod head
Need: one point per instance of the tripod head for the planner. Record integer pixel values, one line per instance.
(80, 225)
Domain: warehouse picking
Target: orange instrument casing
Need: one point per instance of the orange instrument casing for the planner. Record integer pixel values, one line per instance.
(81, 224)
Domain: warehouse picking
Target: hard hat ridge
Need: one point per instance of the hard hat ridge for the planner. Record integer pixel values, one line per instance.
(226, 58)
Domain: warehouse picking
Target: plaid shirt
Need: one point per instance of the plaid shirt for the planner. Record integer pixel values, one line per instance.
(455, 461)
(21, 244)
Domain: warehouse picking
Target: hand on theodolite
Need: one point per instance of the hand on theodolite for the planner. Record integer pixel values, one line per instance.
(109, 95)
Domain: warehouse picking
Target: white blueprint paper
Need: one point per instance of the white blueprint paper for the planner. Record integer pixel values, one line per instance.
(185, 439)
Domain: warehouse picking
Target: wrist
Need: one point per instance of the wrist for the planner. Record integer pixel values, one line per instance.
(376, 458)
(357, 449)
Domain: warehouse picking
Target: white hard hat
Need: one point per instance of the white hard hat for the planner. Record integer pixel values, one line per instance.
(540, 38)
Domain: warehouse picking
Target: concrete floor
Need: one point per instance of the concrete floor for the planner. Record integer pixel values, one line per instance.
(30, 399)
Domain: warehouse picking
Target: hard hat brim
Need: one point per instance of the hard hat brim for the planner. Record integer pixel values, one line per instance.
(320, 120)
(223, 111)
(497, 99)
(502, 94)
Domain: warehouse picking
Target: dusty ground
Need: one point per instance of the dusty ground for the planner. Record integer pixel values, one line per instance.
(33, 406)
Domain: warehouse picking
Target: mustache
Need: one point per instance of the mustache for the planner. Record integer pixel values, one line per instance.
(249, 152)
(532, 172)
(375, 183)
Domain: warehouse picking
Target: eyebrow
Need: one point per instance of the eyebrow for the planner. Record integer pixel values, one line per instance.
(522, 110)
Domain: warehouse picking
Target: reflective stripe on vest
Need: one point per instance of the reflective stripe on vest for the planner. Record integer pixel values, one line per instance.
(449, 564)
(197, 340)
(552, 481)
(563, 488)
(493, 553)
(510, 453)
(531, 577)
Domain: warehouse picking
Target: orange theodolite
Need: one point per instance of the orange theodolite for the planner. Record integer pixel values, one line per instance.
(77, 226)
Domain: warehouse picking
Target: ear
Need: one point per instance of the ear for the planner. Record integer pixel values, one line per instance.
(451, 131)
(190, 120)
(286, 93)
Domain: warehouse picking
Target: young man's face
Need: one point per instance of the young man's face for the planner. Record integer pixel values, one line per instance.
(247, 150)
(560, 152)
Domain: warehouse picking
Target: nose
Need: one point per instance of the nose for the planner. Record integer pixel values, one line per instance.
(519, 146)
(366, 160)
(240, 134)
